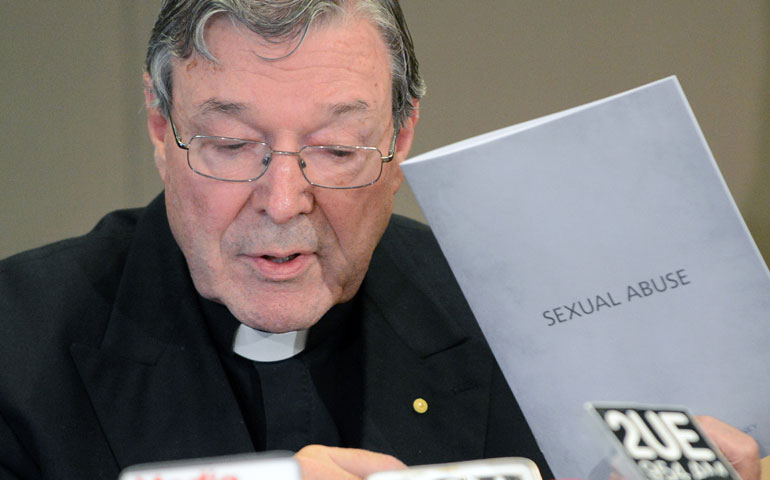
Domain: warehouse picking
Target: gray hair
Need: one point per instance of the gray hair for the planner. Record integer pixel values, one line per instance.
(179, 29)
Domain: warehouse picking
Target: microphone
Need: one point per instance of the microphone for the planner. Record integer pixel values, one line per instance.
(508, 468)
(273, 465)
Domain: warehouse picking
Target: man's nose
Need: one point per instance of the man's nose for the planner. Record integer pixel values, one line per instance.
(282, 192)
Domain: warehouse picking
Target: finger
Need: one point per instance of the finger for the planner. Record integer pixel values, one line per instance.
(364, 462)
(322, 469)
(319, 462)
(738, 447)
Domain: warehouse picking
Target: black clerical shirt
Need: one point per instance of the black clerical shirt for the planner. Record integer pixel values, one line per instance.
(312, 397)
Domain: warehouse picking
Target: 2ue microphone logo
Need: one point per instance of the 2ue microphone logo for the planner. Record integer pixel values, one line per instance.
(665, 443)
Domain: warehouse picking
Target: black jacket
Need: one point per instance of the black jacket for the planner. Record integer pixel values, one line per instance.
(105, 361)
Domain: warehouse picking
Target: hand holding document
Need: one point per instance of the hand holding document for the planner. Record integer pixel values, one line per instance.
(605, 260)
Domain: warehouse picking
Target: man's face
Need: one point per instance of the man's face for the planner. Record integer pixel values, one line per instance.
(278, 251)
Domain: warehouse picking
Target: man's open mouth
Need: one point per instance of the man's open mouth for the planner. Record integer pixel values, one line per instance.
(281, 259)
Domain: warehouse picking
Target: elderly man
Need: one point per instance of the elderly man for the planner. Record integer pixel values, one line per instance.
(267, 300)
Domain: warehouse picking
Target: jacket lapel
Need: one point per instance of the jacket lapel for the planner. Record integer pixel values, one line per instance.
(421, 342)
(154, 379)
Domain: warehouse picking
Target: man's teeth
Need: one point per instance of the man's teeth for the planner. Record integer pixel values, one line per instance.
(283, 259)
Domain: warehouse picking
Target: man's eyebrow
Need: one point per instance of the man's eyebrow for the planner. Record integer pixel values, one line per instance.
(340, 109)
(213, 105)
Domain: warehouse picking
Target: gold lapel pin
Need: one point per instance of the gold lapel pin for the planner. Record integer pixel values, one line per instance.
(420, 405)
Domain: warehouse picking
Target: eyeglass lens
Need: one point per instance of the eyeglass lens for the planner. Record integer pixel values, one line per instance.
(241, 160)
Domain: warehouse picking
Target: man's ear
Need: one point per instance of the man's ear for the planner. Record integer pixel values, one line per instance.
(157, 127)
(403, 145)
(406, 134)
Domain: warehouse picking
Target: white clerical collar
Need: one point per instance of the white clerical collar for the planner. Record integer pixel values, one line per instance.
(260, 346)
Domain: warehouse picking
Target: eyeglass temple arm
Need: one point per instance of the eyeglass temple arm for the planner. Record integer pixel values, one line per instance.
(392, 150)
(179, 142)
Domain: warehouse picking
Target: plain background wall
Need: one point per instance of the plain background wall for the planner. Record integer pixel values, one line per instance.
(73, 143)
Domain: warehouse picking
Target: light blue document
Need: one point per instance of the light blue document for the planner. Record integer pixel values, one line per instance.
(605, 260)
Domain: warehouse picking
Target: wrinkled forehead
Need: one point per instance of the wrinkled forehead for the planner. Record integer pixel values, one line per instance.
(340, 66)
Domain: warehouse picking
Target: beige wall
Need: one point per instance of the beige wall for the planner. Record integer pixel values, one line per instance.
(72, 136)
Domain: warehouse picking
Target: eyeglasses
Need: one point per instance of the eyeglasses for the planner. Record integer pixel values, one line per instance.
(328, 166)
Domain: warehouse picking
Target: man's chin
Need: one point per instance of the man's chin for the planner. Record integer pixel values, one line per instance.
(279, 320)
(272, 308)
(280, 326)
